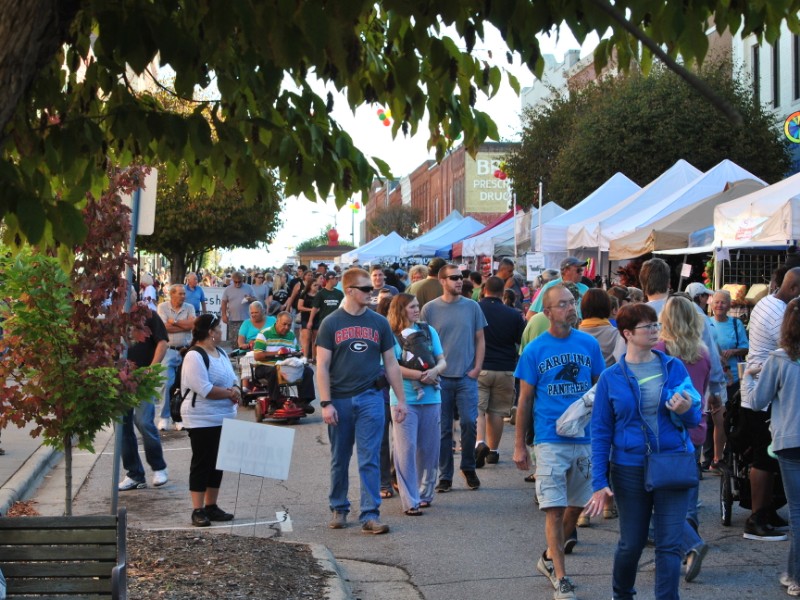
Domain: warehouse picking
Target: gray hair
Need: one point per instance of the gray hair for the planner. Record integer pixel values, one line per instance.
(260, 305)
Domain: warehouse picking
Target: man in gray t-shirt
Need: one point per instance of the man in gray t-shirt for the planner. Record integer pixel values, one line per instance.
(459, 322)
(235, 305)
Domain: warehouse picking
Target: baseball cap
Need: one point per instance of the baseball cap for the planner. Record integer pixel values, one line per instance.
(696, 289)
(571, 261)
(331, 274)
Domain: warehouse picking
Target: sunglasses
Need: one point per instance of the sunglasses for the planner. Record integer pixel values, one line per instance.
(362, 288)
(455, 277)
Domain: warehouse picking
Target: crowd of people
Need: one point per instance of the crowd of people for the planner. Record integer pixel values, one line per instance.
(656, 370)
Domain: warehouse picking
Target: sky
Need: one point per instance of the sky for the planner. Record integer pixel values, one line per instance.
(303, 219)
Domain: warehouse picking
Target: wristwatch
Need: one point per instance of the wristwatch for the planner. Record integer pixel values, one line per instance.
(324, 403)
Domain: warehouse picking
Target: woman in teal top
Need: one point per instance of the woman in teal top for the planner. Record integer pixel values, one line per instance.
(416, 439)
(247, 335)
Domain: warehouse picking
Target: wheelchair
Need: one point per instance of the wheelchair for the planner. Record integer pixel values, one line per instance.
(286, 406)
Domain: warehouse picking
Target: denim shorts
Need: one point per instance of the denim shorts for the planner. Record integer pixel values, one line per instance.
(563, 475)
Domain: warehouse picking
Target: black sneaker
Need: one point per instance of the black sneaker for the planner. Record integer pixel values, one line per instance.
(215, 513)
(571, 542)
(472, 480)
(757, 528)
(493, 457)
(444, 485)
(200, 518)
(481, 451)
(777, 522)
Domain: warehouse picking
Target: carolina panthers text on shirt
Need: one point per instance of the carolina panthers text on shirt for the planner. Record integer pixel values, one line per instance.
(356, 333)
(569, 365)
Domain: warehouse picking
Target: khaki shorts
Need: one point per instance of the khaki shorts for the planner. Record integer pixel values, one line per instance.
(563, 475)
(496, 392)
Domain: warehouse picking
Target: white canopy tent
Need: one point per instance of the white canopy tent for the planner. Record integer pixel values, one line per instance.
(770, 215)
(552, 239)
(673, 230)
(504, 245)
(349, 257)
(482, 245)
(442, 235)
(592, 233)
(389, 246)
(711, 182)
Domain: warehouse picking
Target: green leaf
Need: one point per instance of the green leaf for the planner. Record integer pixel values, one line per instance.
(68, 225)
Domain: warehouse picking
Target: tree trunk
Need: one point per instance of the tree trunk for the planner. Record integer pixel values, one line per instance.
(177, 268)
(68, 475)
(32, 31)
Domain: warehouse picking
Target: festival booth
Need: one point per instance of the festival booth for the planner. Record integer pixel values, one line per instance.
(590, 235)
(551, 238)
(480, 242)
(349, 257)
(388, 247)
(674, 229)
(504, 246)
(452, 229)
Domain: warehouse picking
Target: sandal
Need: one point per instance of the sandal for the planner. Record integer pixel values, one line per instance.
(424, 504)
(531, 478)
(414, 512)
(385, 494)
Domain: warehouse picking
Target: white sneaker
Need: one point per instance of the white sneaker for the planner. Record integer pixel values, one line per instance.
(131, 484)
(160, 477)
(785, 580)
(164, 424)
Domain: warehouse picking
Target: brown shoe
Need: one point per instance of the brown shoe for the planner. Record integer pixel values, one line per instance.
(338, 521)
(374, 526)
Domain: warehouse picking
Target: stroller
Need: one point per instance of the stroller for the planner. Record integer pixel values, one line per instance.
(734, 481)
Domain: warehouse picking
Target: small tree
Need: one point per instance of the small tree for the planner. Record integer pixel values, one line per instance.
(63, 336)
(317, 240)
(400, 218)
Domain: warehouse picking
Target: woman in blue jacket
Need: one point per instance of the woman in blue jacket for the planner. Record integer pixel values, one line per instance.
(646, 399)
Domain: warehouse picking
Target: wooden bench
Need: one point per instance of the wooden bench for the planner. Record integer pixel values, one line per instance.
(64, 557)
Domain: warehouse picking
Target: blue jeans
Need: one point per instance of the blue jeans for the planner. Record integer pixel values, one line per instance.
(463, 393)
(790, 472)
(142, 417)
(171, 362)
(635, 505)
(361, 421)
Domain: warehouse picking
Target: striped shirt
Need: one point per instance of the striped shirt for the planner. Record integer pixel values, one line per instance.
(765, 333)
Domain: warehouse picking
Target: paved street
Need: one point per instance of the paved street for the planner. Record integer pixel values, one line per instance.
(470, 544)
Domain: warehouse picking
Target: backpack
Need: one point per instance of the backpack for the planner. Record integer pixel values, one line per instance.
(416, 352)
(176, 398)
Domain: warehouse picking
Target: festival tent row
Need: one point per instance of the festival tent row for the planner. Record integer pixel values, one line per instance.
(349, 257)
(453, 229)
(389, 246)
(552, 239)
(480, 239)
(504, 245)
(674, 229)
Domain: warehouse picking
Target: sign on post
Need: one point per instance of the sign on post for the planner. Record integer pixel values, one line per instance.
(255, 449)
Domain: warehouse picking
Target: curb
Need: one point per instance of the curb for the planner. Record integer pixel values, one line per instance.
(27, 476)
(338, 588)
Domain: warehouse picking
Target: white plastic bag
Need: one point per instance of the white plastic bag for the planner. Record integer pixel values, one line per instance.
(292, 368)
(577, 416)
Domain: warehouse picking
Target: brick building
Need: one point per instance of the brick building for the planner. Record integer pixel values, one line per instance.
(459, 182)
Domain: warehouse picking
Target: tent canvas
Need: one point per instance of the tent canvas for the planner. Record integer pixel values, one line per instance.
(349, 257)
(770, 215)
(504, 245)
(711, 182)
(458, 247)
(429, 243)
(553, 236)
(591, 233)
(445, 224)
(389, 246)
(673, 230)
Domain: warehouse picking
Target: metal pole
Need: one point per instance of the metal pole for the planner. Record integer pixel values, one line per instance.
(128, 298)
(514, 196)
(539, 234)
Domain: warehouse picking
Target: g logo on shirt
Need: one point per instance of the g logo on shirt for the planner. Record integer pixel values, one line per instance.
(358, 346)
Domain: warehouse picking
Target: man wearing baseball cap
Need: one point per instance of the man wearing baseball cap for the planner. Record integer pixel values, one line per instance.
(571, 272)
(700, 295)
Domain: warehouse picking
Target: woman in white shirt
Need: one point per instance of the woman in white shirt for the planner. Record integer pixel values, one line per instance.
(210, 396)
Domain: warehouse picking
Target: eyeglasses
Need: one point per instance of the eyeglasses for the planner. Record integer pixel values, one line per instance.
(563, 304)
(362, 288)
(650, 326)
(455, 277)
